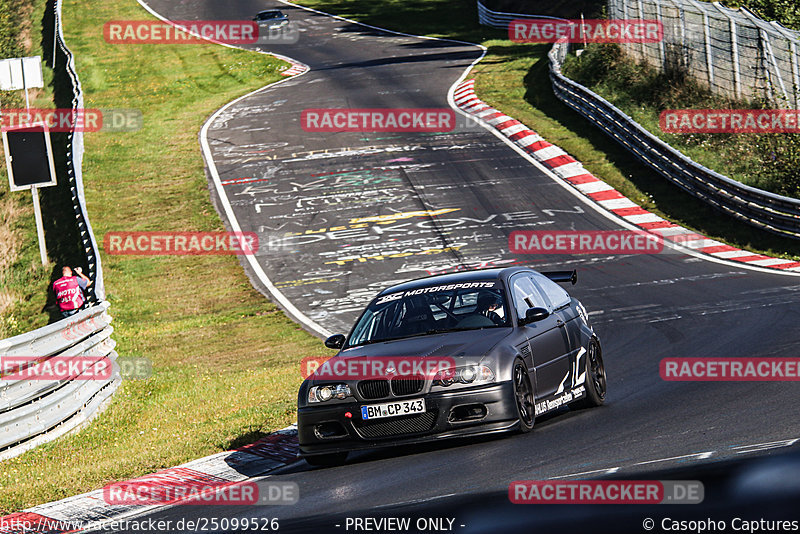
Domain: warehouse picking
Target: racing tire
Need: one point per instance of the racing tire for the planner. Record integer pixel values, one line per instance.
(326, 460)
(523, 397)
(595, 377)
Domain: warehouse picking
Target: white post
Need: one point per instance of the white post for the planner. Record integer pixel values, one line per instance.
(25, 87)
(684, 44)
(737, 76)
(641, 17)
(583, 36)
(55, 30)
(37, 213)
(625, 16)
(682, 17)
(55, 36)
(775, 66)
(795, 72)
(709, 60)
(660, 19)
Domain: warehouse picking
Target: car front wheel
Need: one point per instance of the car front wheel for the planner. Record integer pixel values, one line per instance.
(523, 396)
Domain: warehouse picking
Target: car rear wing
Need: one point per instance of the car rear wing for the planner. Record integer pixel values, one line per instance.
(562, 276)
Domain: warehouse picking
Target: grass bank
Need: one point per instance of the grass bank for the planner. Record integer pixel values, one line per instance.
(23, 280)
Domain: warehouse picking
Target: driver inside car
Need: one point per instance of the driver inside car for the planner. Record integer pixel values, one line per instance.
(488, 302)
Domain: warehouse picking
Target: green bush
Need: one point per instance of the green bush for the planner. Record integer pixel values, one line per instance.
(787, 12)
(766, 161)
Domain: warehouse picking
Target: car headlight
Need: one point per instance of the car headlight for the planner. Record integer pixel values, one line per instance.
(326, 393)
(470, 374)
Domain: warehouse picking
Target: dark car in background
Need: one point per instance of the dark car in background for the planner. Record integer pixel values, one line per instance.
(452, 355)
(271, 18)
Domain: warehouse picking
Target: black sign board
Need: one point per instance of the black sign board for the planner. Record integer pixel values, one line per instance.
(29, 157)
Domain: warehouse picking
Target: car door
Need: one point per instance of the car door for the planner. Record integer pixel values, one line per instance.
(546, 339)
(567, 320)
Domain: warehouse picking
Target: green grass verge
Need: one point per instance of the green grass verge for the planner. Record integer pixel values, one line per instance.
(226, 361)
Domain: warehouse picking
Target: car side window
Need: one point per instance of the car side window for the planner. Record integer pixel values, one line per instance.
(555, 294)
(526, 295)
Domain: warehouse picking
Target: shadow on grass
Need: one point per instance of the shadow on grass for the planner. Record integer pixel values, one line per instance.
(553, 8)
(64, 243)
(249, 437)
(453, 19)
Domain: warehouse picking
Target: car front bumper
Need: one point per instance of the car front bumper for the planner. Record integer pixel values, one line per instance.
(325, 429)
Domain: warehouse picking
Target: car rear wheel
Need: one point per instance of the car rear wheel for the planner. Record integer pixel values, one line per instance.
(523, 396)
(595, 377)
(326, 460)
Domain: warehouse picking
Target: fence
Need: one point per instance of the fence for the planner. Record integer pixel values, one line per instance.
(36, 410)
(733, 52)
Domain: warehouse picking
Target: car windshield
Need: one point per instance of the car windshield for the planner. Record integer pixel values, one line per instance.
(269, 15)
(432, 310)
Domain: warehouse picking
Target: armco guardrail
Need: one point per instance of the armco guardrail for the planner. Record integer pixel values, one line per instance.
(768, 211)
(64, 61)
(499, 20)
(771, 212)
(36, 409)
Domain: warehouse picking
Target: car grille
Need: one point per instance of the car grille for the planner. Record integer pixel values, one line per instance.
(414, 424)
(407, 385)
(373, 389)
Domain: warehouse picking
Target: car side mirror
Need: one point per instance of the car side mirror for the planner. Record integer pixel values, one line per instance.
(535, 314)
(336, 341)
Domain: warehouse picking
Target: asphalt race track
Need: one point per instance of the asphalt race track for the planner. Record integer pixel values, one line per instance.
(330, 208)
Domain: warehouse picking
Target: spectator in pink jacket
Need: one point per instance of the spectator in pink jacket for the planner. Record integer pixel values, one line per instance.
(69, 290)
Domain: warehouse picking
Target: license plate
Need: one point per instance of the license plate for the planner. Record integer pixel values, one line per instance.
(393, 409)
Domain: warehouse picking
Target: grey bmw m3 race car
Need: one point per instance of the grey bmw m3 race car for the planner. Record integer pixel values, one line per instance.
(451, 355)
